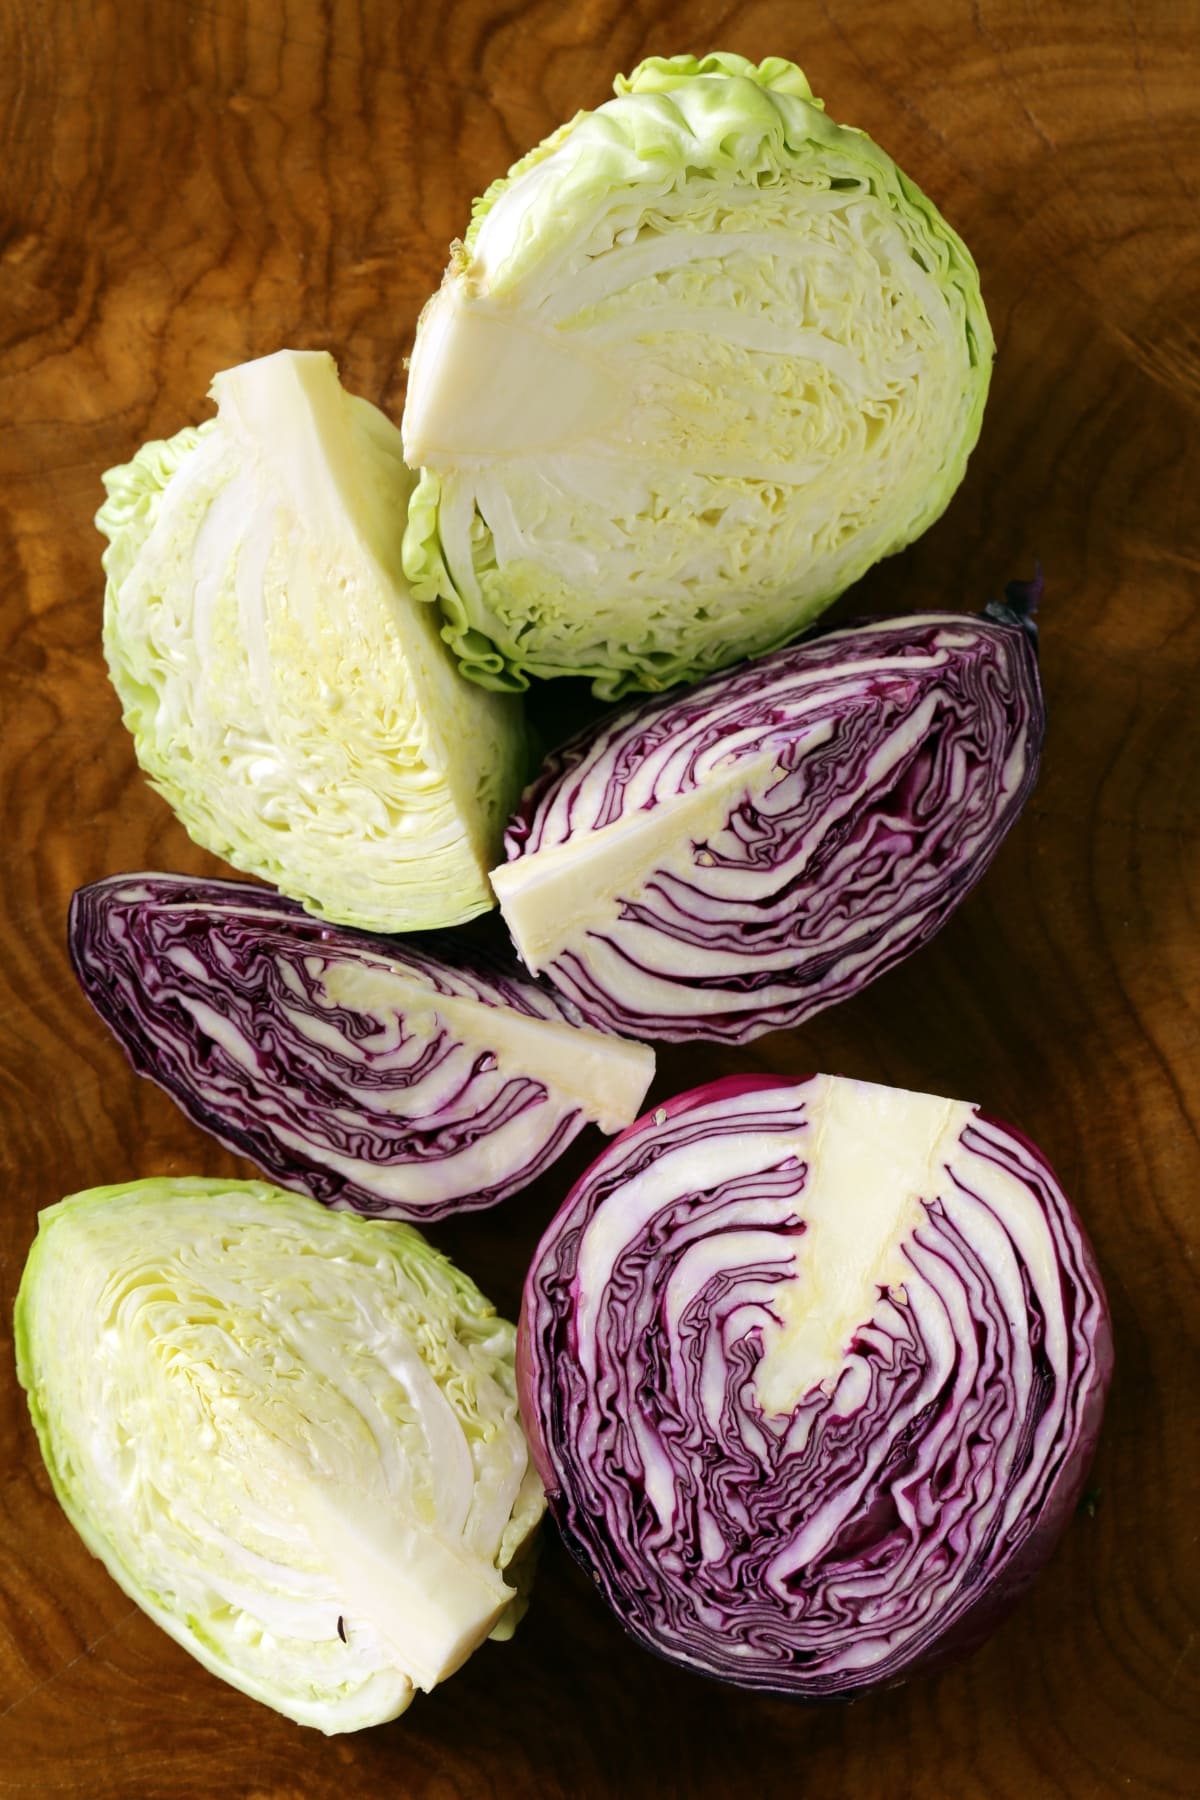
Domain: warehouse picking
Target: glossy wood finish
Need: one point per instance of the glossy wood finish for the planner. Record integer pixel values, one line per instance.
(189, 185)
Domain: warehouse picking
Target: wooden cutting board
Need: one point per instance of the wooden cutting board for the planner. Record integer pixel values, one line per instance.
(186, 186)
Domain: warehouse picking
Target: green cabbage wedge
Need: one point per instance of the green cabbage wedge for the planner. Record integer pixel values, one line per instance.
(703, 358)
(291, 1436)
(286, 696)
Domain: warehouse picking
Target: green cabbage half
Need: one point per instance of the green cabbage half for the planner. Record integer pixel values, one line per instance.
(703, 358)
(285, 695)
(291, 1436)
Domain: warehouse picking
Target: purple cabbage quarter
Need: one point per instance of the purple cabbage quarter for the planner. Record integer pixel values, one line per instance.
(813, 1373)
(731, 859)
(356, 1069)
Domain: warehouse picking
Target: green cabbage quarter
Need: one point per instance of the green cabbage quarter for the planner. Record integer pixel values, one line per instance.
(703, 357)
(286, 696)
(291, 1436)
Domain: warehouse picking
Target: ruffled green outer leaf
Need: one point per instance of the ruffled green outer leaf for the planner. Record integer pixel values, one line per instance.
(285, 695)
(703, 358)
(290, 1435)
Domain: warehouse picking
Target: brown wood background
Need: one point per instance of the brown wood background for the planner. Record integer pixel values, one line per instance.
(185, 186)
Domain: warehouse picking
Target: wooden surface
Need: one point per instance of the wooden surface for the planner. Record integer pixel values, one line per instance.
(186, 186)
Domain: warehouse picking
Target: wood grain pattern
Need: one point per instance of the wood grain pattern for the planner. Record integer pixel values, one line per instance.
(186, 186)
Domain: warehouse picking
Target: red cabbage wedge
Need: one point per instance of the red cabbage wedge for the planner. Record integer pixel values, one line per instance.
(732, 859)
(813, 1373)
(358, 1070)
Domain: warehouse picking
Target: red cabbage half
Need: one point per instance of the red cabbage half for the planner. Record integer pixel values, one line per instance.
(735, 858)
(813, 1373)
(359, 1070)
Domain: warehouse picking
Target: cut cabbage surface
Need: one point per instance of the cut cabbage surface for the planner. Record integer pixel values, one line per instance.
(285, 695)
(703, 357)
(291, 1436)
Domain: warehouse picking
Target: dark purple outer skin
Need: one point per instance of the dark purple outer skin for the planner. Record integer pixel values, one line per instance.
(1003, 1587)
(818, 981)
(284, 918)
